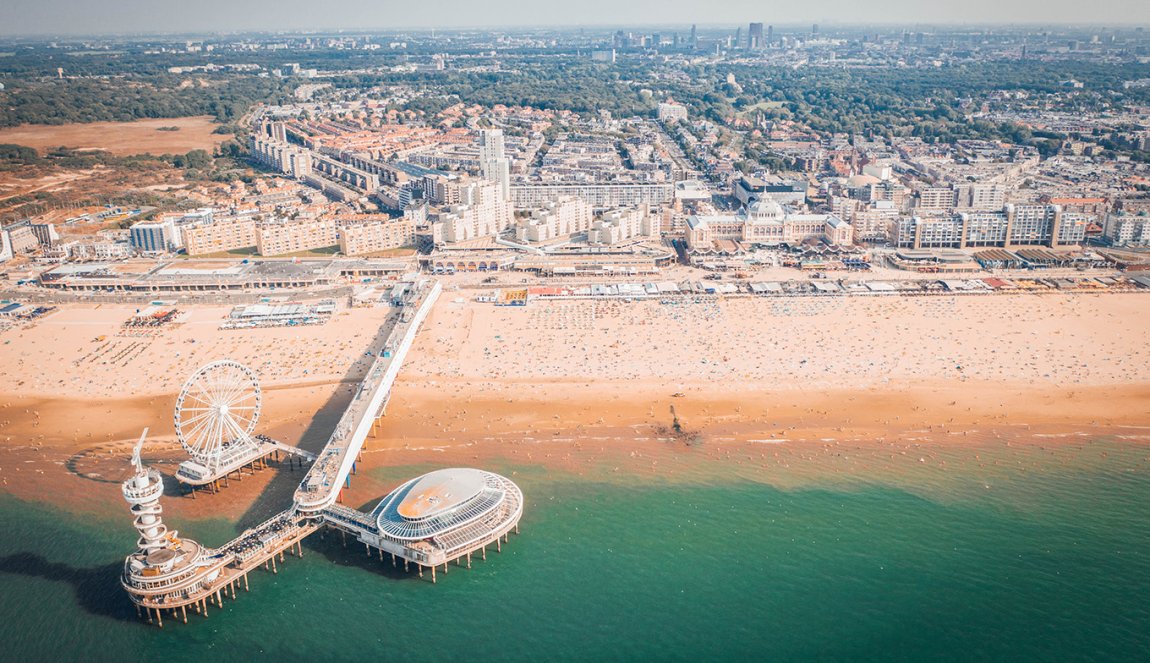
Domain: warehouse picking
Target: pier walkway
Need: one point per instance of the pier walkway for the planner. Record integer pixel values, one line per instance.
(321, 487)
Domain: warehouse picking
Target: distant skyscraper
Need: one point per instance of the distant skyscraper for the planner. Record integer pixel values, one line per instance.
(815, 29)
(755, 36)
(770, 35)
(493, 162)
(694, 37)
(739, 37)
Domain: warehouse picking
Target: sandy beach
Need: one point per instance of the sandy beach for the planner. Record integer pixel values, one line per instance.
(765, 389)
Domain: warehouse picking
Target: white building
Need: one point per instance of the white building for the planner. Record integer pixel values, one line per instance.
(615, 226)
(766, 223)
(1125, 230)
(480, 212)
(6, 253)
(561, 218)
(494, 164)
(672, 112)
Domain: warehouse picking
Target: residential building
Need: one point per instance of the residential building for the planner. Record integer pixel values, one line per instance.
(494, 164)
(291, 236)
(598, 195)
(359, 237)
(225, 234)
(560, 218)
(1013, 225)
(1127, 230)
(615, 226)
(936, 198)
(481, 211)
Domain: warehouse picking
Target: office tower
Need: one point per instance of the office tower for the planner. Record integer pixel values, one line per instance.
(755, 36)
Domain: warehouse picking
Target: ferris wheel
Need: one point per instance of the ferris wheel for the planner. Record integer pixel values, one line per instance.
(217, 411)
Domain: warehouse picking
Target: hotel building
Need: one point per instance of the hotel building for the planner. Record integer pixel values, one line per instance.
(766, 223)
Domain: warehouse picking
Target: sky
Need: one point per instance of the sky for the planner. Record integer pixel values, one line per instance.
(40, 17)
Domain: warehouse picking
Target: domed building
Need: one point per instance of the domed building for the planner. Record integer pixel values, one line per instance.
(446, 515)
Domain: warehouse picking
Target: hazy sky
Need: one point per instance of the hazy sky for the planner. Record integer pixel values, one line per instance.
(130, 16)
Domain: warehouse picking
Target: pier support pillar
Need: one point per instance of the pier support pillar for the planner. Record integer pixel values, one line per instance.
(485, 553)
(160, 617)
(498, 545)
(433, 575)
(420, 570)
(204, 603)
(405, 566)
(246, 582)
(275, 571)
(393, 560)
(469, 560)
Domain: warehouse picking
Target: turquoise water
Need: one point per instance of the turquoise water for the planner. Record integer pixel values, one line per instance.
(1050, 564)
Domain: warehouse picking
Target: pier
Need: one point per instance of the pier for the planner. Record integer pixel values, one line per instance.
(332, 469)
(445, 516)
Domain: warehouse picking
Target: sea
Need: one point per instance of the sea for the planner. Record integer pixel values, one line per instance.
(1037, 556)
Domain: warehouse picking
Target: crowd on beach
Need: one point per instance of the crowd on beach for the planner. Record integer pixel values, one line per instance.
(88, 359)
(834, 342)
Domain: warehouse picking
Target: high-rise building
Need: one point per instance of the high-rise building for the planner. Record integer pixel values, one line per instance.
(755, 36)
(770, 35)
(493, 162)
(155, 237)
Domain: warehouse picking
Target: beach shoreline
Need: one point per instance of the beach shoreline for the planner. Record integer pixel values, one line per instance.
(580, 390)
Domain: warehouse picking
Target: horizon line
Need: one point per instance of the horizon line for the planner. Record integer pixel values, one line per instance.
(418, 28)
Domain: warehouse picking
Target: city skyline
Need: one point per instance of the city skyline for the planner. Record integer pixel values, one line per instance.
(68, 17)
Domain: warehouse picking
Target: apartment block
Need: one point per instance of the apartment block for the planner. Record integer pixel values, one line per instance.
(219, 236)
(363, 237)
(275, 238)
